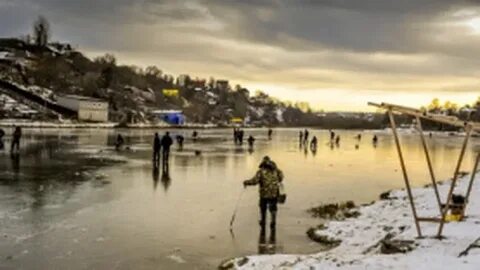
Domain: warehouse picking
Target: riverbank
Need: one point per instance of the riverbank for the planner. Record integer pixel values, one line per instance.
(361, 238)
(69, 124)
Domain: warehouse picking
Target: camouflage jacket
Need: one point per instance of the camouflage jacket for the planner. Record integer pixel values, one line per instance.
(268, 182)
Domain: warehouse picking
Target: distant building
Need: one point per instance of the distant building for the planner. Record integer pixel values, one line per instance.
(87, 108)
(173, 117)
(199, 85)
(183, 80)
(222, 84)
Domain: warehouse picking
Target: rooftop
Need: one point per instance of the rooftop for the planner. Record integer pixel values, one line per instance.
(83, 98)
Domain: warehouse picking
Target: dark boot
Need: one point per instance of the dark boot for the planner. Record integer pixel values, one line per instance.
(273, 236)
(262, 243)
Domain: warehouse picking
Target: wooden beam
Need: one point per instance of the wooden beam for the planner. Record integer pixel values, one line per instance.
(404, 171)
(429, 219)
(472, 178)
(429, 163)
(449, 120)
(454, 181)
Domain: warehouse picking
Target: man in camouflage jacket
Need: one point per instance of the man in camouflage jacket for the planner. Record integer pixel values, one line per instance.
(268, 177)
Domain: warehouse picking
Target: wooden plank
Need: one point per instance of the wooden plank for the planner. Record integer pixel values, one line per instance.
(404, 171)
(429, 219)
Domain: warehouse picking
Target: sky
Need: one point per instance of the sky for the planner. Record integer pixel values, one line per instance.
(334, 54)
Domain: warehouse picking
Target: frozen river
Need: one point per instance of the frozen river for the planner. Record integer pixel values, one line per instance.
(71, 202)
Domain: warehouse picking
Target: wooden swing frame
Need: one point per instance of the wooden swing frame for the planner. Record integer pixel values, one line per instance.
(449, 120)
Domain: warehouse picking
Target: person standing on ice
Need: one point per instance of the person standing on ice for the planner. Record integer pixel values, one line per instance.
(314, 143)
(305, 138)
(17, 135)
(270, 133)
(251, 141)
(180, 140)
(166, 143)
(375, 140)
(332, 136)
(120, 142)
(300, 138)
(269, 179)
(2, 133)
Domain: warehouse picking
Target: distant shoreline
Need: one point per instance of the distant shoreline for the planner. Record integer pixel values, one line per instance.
(110, 125)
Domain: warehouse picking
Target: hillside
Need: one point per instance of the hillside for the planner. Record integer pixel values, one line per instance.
(134, 92)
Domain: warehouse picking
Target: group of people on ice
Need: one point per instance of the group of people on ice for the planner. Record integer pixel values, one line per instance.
(15, 144)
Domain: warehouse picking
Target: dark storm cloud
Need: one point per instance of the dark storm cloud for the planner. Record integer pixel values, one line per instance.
(370, 44)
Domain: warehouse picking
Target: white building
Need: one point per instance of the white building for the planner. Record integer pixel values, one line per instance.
(87, 108)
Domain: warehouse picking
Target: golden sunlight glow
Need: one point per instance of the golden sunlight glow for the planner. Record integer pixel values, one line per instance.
(474, 25)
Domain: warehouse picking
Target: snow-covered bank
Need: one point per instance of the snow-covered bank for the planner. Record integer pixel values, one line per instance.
(69, 124)
(50, 124)
(359, 249)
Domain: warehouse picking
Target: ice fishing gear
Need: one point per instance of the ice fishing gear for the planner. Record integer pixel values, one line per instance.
(282, 196)
(236, 208)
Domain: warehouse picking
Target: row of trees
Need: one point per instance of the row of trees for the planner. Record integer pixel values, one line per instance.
(464, 112)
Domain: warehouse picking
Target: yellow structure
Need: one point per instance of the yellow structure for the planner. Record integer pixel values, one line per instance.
(170, 92)
(236, 120)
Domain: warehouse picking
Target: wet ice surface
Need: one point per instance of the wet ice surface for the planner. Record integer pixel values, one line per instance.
(70, 201)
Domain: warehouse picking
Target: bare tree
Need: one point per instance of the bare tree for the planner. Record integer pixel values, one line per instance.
(153, 71)
(106, 60)
(41, 31)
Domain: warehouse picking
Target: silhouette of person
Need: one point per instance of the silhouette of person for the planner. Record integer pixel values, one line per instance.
(332, 135)
(270, 133)
(156, 149)
(195, 135)
(2, 145)
(17, 135)
(300, 138)
(120, 142)
(375, 140)
(313, 144)
(359, 136)
(305, 134)
(235, 135)
(180, 140)
(166, 142)
(251, 141)
(241, 133)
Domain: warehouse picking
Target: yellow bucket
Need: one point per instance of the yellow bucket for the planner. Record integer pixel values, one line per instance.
(451, 217)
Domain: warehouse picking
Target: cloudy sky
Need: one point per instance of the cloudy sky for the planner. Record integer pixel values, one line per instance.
(335, 54)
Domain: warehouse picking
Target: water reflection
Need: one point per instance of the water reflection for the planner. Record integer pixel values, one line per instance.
(155, 175)
(166, 180)
(15, 158)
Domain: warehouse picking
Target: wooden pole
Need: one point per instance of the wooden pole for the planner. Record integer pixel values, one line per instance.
(429, 162)
(468, 130)
(404, 170)
(449, 120)
(472, 178)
